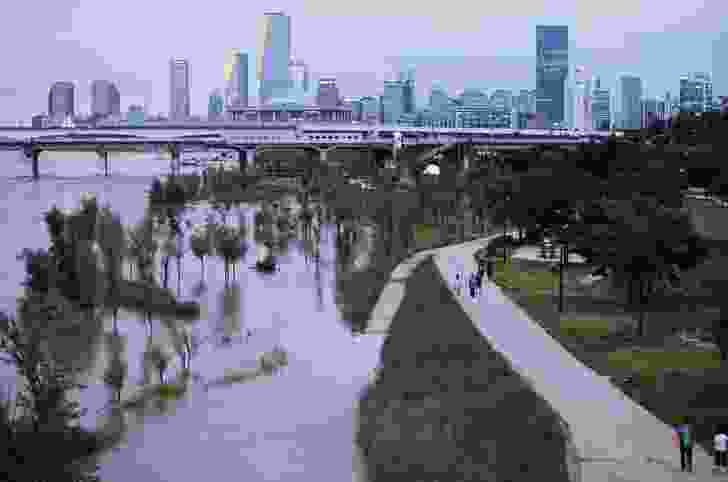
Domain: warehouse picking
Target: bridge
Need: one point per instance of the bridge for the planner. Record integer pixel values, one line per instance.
(421, 144)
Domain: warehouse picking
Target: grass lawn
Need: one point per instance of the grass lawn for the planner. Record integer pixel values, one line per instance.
(511, 276)
(596, 329)
(586, 327)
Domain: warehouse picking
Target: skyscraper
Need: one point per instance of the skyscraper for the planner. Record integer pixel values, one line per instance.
(215, 105)
(393, 101)
(408, 80)
(628, 101)
(274, 57)
(582, 118)
(552, 70)
(236, 80)
(600, 106)
(61, 100)
(179, 89)
(328, 93)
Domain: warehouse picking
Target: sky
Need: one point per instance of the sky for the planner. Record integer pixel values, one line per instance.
(468, 44)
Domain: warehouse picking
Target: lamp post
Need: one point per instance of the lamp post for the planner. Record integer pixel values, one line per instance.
(563, 261)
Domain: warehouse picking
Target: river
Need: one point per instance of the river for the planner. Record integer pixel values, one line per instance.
(296, 424)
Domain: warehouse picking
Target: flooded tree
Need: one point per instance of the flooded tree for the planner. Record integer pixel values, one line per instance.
(201, 245)
(230, 246)
(158, 358)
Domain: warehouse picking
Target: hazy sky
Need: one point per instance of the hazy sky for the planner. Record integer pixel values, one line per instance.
(461, 43)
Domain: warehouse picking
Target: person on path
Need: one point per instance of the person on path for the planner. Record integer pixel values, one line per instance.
(471, 283)
(458, 283)
(686, 442)
(720, 446)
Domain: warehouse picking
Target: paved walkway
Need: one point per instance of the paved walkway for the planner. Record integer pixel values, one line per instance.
(617, 439)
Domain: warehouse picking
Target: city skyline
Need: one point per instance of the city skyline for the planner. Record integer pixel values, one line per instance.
(455, 53)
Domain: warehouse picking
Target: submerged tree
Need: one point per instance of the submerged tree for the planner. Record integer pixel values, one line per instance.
(201, 245)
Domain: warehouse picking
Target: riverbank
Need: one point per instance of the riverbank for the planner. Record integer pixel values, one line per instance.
(447, 406)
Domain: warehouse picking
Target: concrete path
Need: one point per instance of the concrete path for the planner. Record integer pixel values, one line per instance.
(617, 439)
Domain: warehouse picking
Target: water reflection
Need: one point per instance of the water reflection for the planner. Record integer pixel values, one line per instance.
(245, 398)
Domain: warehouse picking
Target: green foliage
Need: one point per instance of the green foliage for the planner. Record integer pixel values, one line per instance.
(586, 327)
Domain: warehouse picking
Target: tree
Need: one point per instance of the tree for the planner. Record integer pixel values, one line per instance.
(229, 246)
(113, 245)
(642, 241)
(200, 243)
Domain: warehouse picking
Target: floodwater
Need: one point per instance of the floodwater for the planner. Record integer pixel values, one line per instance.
(295, 424)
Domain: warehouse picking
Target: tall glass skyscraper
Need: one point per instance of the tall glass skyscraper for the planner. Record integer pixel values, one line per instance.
(274, 57)
(298, 71)
(179, 89)
(408, 80)
(628, 101)
(552, 70)
(393, 101)
(236, 80)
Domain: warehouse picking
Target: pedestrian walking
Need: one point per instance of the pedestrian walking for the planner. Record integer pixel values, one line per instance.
(720, 446)
(686, 442)
(458, 283)
(471, 283)
(479, 282)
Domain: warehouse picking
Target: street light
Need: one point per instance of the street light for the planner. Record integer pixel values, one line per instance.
(563, 261)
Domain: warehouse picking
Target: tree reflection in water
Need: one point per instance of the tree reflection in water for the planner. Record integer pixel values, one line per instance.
(228, 325)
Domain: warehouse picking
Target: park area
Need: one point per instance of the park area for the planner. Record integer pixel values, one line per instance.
(673, 369)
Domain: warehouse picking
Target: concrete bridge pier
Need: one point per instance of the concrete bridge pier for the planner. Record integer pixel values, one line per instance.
(246, 159)
(105, 156)
(33, 154)
(175, 151)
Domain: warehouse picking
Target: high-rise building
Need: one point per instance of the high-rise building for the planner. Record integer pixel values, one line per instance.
(369, 110)
(582, 118)
(215, 105)
(408, 80)
(471, 109)
(600, 105)
(61, 101)
(299, 75)
(393, 101)
(552, 71)
(105, 99)
(628, 102)
(439, 100)
(327, 94)
(524, 106)
(655, 113)
(274, 57)
(179, 89)
(696, 92)
(500, 109)
(719, 69)
(236, 80)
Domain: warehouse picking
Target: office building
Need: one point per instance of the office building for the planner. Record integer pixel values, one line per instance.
(274, 57)
(582, 116)
(215, 105)
(408, 81)
(370, 110)
(628, 102)
(500, 109)
(135, 115)
(393, 101)
(61, 101)
(105, 99)
(696, 92)
(179, 89)
(327, 94)
(524, 106)
(300, 80)
(236, 80)
(471, 108)
(552, 70)
(656, 113)
(439, 100)
(600, 105)
(39, 121)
